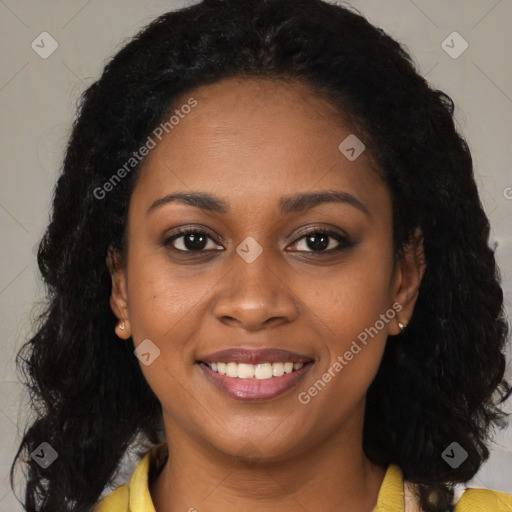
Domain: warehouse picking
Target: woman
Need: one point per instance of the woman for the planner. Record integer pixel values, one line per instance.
(268, 260)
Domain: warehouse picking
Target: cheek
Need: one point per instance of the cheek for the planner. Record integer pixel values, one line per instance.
(353, 311)
(352, 295)
(162, 297)
(162, 308)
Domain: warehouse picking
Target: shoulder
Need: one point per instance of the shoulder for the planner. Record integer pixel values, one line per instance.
(116, 501)
(471, 499)
(484, 500)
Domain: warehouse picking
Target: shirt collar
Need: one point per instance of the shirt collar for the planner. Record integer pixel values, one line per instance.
(391, 493)
(140, 498)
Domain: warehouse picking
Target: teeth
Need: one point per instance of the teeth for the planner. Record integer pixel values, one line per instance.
(232, 370)
(277, 369)
(254, 371)
(263, 371)
(245, 371)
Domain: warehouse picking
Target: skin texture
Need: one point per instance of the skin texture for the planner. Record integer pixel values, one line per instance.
(250, 142)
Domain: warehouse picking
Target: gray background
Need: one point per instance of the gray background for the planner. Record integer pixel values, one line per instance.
(37, 104)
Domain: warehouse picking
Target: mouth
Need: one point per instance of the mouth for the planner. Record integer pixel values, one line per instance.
(255, 375)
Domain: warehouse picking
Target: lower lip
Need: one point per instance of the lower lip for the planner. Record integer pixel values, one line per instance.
(255, 389)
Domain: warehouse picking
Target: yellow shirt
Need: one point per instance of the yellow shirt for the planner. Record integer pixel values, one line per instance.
(135, 497)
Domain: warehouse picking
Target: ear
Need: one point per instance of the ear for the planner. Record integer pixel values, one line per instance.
(119, 295)
(407, 279)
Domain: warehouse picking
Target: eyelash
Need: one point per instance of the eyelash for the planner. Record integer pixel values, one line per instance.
(344, 242)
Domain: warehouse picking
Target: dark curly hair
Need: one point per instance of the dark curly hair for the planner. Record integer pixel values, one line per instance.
(440, 381)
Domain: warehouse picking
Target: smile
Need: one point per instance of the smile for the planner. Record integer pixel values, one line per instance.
(266, 382)
(259, 371)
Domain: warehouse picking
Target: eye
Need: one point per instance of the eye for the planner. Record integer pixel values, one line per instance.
(321, 240)
(317, 240)
(190, 240)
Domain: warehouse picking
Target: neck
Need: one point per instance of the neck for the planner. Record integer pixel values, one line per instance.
(334, 475)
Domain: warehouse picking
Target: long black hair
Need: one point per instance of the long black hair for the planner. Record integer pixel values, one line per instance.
(437, 381)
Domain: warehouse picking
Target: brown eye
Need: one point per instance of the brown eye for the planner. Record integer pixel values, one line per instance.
(322, 240)
(191, 240)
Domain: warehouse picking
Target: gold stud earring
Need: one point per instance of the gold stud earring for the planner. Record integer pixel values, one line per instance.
(402, 326)
(123, 329)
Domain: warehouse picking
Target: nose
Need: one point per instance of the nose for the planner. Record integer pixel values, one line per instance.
(256, 294)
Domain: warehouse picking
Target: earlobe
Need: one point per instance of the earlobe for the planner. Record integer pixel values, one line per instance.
(123, 330)
(118, 296)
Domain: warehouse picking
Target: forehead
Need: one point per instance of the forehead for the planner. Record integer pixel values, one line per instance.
(262, 137)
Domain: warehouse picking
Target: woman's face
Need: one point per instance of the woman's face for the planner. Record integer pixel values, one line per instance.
(253, 280)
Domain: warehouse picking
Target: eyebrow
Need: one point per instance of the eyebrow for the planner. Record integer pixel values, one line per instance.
(287, 204)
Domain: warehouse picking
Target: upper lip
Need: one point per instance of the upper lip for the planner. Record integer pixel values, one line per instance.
(254, 356)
